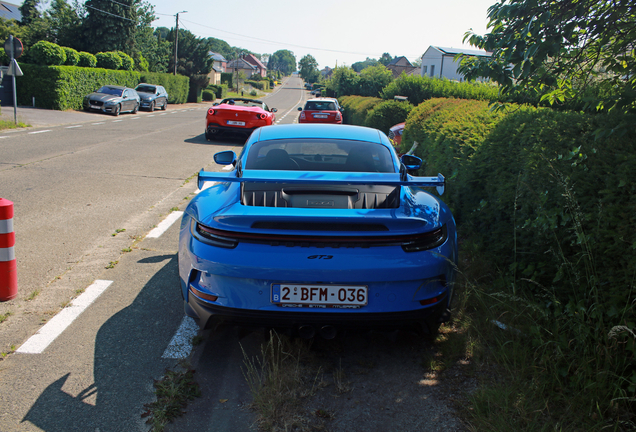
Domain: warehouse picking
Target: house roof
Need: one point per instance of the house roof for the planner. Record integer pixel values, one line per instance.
(216, 56)
(455, 51)
(240, 64)
(256, 62)
(10, 11)
(400, 61)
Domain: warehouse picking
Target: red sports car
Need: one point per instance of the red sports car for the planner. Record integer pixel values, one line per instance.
(321, 110)
(237, 116)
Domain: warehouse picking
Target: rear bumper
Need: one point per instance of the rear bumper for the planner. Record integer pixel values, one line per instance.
(210, 316)
(215, 129)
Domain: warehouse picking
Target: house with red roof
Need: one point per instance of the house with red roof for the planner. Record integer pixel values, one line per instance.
(261, 68)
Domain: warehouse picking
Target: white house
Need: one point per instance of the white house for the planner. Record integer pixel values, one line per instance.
(439, 62)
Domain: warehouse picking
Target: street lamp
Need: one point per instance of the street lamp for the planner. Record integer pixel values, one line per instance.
(176, 41)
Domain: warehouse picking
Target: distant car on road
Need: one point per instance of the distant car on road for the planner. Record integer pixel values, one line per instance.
(321, 110)
(317, 228)
(152, 96)
(237, 116)
(113, 99)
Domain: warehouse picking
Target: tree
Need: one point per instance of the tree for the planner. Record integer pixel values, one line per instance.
(561, 48)
(283, 61)
(373, 79)
(65, 23)
(359, 66)
(386, 59)
(309, 69)
(110, 26)
(344, 81)
(29, 11)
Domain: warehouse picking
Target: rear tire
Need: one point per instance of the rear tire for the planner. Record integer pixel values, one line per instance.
(117, 110)
(164, 106)
(135, 109)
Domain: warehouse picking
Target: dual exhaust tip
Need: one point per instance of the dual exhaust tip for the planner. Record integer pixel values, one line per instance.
(326, 332)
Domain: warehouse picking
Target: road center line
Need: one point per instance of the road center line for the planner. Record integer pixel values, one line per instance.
(56, 325)
(71, 127)
(165, 224)
(181, 344)
(37, 132)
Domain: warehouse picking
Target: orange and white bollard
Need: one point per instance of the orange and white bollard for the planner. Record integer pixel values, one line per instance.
(8, 263)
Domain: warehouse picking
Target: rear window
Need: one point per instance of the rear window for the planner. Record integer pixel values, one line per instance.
(320, 155)
(320, 106)
(110, 90)
(146, 89)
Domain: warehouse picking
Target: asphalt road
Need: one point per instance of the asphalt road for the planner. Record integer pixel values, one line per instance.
(87, 190)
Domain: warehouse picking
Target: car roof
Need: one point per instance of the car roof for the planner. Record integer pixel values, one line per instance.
(322, 99)
(322, 130)
(116, 86)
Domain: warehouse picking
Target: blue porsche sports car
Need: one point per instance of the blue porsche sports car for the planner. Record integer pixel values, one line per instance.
(316, 228)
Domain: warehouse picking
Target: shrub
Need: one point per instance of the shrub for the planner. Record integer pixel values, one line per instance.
(254, 93)
(419, 89)
(219, 90)
(127, 62)
(108, 60)
(47, 53)
(356, 108)
(72, 56)
(208, 96)
(4, 58)
(87, 60)
(141, 64)
(388, 113)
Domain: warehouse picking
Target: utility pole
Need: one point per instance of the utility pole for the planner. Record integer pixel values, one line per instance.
(176, 42)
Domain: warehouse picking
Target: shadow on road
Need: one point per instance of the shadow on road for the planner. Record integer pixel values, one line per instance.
(128, 350)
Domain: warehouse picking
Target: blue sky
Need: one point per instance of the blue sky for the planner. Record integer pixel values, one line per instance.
(333, 31)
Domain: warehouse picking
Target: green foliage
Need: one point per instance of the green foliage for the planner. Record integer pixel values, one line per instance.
(227, 79)
(47, 53)
(193, 56)
(29, 11)
(551, 204)
(261, 85)
(373, 79)
(110, 26)
(127, 62)
(64, 87)
(87, 60)
(386, 114)
(72, 56)
(282, 61)
(420, 88)
(309, 69)
(141, 64)
(208, 95)
(344, 81)
(559, 49)
(356, 108)
(108, 60)
(359, 66)
(4, 58)
(219, 91)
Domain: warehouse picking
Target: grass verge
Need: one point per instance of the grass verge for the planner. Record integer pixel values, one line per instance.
(173, 391)
(8, 124)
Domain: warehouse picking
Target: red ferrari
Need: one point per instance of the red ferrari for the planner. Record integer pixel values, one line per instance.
(237, 116)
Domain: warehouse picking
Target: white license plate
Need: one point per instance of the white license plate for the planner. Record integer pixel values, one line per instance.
(321, 116)
(235, 123)
(95, 107)
(319, 294)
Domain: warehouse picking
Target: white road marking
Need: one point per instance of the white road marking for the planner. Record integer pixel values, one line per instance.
(151, 115)
(4, 137)
(165, 224)
(181, 344)
(98, 123)
(71, 127)
(56, 325)
(134, 118)
(37, 132)
(117, 121)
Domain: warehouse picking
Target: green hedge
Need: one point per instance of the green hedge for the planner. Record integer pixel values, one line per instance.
(64, 87)
(552, 204)
(387, 114)
(219, 90)
(261, 85)
(356, 108)
(227, 78)
(418, 89)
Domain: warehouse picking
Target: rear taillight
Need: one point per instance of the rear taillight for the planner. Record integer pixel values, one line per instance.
(302, 115)
(210, 111)
(426, 241)
(209, 236)
(262, 116)
(338, 116)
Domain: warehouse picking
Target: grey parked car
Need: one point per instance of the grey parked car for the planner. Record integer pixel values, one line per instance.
(152, 96)
(113, 100)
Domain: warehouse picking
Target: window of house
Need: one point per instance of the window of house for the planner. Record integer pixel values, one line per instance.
(432, 70)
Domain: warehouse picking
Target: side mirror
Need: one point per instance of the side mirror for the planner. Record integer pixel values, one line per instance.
(300, 108)
(412, 163)
(215, 104)
(274, 110)
(225, 157)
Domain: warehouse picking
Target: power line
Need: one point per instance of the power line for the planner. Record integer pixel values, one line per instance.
(108, 13)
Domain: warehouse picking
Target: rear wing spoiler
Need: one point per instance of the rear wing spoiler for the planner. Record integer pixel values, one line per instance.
(328, 178)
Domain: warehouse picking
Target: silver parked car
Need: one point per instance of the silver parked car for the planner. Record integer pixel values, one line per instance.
(152, 96)
(113, 99)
